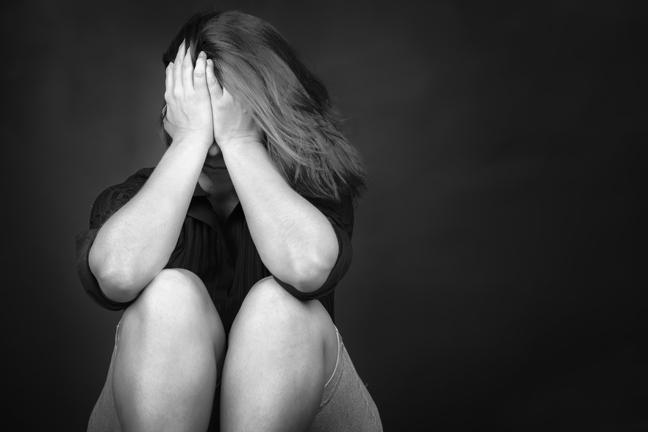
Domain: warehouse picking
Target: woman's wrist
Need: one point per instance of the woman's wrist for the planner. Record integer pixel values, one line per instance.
(240, 146)
(190, 139)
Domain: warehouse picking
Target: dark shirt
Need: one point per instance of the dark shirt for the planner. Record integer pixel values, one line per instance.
(223, 255)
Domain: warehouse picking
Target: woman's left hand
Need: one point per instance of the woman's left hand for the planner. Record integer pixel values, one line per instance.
(233, 124)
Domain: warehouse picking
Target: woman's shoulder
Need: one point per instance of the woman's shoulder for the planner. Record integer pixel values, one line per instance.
(140, 175)
(340, 211)
(133, 181)
(114, 197)
(128, 187)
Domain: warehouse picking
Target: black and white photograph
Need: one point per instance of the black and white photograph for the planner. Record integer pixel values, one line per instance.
(325, 216)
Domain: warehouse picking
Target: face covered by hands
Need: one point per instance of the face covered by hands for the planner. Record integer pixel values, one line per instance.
(199, 108)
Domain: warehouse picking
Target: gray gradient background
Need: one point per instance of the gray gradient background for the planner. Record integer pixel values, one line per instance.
(495, 281)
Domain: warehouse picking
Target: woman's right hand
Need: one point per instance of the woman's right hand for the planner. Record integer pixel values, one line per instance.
(188, 106)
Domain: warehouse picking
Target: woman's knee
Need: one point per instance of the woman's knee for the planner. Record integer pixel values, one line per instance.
(175, 300)
(173, 290)
(267, 297)
(271, 326)
(170, 349)
(268, 303)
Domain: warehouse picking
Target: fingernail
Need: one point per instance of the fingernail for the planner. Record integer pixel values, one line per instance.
(202, 54)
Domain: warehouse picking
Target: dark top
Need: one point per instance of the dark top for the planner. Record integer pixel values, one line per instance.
(222, 255)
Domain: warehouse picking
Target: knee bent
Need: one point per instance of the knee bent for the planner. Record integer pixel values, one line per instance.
(269, 300)
(266, 293)
(174, 295)
(270, 310)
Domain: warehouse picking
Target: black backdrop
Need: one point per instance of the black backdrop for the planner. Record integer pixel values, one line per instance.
(495, 281)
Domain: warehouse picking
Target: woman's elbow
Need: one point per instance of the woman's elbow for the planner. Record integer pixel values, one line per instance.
(117, 287)
(115, 280)
(308, 275)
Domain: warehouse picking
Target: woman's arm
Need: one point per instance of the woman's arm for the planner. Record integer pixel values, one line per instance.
(135, 244)
(295, 241)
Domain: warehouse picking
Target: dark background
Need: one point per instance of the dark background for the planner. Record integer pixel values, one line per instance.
(496, 280)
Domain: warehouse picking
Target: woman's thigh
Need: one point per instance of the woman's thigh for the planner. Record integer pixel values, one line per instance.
(104, 415)
(269, 307)
(137, 318)
(281, 353)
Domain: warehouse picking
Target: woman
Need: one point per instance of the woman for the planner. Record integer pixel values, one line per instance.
(226, 255)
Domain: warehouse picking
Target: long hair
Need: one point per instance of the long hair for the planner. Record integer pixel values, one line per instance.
(301, 128)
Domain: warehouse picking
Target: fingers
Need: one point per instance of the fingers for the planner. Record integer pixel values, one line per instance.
(177, 70)
(215, 90)
(199, 77)
(182, 76)
(168, 82)
(187, 71)
(181, 52)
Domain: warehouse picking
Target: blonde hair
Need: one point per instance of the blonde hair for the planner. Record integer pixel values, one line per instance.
(291, 106)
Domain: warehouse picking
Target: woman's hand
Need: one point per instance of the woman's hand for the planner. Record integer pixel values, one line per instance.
(188, 104)
(232, 123)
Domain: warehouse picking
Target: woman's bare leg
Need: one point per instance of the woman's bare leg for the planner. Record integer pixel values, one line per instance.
(281, 353)
(170, 349)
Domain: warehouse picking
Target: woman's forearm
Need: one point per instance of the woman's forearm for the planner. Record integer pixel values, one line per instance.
(295, 241)
(135, 244)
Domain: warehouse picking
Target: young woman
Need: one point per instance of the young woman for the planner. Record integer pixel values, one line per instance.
(225, 257)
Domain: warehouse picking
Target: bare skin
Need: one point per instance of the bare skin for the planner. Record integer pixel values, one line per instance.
(171, 347)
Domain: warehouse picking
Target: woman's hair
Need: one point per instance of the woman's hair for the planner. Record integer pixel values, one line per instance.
(301, 129)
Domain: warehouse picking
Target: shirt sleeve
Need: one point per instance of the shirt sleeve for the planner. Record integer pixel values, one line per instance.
(106, 204)
(340, 215)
